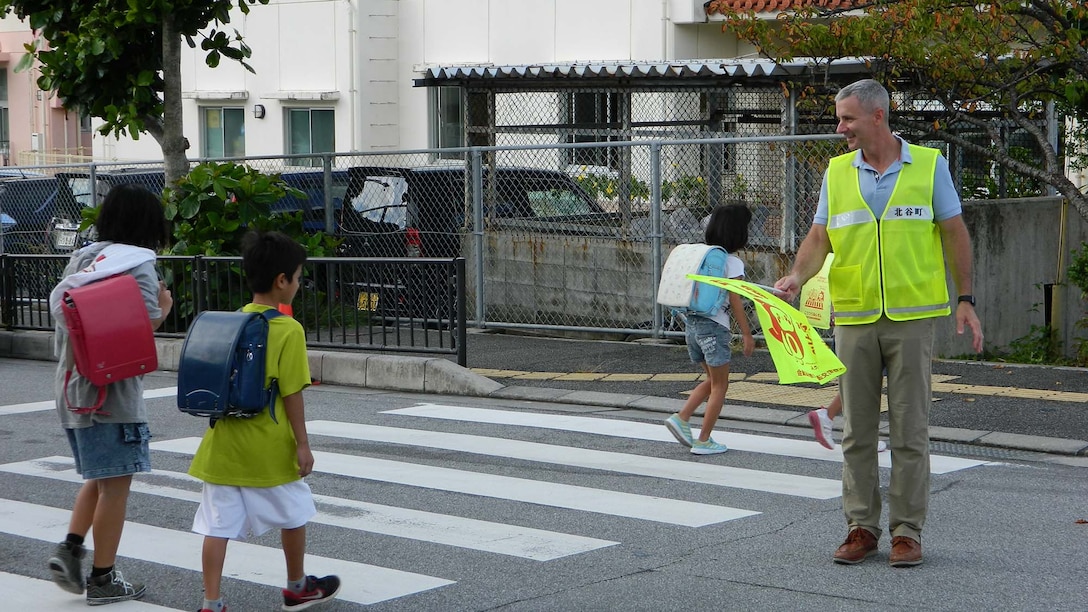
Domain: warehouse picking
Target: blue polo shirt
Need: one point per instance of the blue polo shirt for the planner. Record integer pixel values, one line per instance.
(877, 188)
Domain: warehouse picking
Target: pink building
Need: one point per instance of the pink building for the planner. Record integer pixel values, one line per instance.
(34, 126)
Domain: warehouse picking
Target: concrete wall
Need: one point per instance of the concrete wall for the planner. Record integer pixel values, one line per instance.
(590, 281)
(1019, 247)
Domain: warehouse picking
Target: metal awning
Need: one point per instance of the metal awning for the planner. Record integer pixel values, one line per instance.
(740, 70)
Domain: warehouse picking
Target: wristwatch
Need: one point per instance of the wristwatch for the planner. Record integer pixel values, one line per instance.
(970, 299)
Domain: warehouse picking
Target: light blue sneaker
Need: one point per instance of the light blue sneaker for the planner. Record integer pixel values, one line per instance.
(710, 447)
(680, 429)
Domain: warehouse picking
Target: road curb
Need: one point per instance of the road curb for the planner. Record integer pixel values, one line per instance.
(441, 376)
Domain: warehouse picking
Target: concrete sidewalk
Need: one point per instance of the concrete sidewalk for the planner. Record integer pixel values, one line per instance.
(531, 373)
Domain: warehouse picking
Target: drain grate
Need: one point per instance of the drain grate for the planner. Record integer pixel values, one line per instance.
(987, 452)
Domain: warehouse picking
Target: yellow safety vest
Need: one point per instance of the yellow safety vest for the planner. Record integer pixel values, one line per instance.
(896, 266)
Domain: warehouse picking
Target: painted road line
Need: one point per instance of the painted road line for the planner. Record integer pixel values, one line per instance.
(803, 449)
(512, 540)
(623, 463)
(587, 499)
(52, 404)
(26, 593)
(368, 584)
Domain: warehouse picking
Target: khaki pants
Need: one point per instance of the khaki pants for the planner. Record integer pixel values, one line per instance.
(906, 350)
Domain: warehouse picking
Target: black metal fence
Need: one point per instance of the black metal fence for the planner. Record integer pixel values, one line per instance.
(414, 305)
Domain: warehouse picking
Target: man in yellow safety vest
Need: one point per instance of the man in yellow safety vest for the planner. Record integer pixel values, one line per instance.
(890, 213)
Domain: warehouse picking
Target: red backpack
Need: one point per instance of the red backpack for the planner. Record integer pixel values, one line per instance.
(109, 334)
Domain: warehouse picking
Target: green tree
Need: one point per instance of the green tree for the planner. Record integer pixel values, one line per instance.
(120, 60)
(212, 207)
(978, 66)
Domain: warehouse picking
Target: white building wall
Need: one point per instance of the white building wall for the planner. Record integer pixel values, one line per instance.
(514, 32)
(303, 57)
(365, 55)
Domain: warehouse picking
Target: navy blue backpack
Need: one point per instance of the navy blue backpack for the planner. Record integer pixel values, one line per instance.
(221, 370)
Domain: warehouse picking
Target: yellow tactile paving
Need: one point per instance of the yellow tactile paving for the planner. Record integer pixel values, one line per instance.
(627, 377)
(581, 376)
(1070, 396)
(763, 386)
(537, 375)
(498, 373)
(950, 387)
(690, 377)
(982, 390)
(1028, 393)
(778, 394)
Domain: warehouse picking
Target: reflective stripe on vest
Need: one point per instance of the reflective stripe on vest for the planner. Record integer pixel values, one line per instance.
(895, 267)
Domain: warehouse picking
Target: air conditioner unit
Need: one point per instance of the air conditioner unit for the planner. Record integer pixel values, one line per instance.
(687, 11)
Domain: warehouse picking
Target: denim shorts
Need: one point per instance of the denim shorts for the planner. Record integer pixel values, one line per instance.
(708, 341)
(106, 450)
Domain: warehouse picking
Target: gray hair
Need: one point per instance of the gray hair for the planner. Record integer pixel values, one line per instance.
(870, 93)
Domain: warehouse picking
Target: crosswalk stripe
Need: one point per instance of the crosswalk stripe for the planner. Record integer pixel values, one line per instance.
(625, 463)
(804, 449)
(25, 593)
(52, 404)
(28, 407)
(364, 584)
(513, 540)
(645, 507)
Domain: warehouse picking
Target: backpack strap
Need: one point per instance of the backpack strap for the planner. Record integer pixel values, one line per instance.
(101, 399)
(274, 386)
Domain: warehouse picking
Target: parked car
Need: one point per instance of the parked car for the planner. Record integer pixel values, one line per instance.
(420, 212)
(74, 193)
(423, 212)
(312, 183)
(31, 204)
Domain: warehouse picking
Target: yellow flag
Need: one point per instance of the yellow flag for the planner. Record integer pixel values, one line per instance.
(816, 296)
(799, 354)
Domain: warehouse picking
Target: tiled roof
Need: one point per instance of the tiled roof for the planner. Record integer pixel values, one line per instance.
(722, 7)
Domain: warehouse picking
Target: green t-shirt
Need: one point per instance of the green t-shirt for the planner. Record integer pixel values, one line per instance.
(257, 452)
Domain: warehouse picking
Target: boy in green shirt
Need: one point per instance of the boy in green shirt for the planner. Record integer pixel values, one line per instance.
(252, 468)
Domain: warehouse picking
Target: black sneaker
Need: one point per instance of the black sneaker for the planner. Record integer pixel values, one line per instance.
(316, 591)
(112, 588)
(66, 565)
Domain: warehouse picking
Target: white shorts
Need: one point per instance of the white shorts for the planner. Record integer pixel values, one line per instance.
(237, 512)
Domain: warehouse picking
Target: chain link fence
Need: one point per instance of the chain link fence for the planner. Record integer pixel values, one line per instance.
(565, 203)
(549, 243)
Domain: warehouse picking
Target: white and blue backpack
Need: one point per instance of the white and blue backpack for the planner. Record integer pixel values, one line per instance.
(680, 292)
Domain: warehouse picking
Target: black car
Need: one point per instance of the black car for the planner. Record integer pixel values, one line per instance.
(75, 192)
(30, 204)
(312, 183)
(394, 212)
(422, 212)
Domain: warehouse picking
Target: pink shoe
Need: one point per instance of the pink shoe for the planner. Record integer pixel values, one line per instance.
(822, 427)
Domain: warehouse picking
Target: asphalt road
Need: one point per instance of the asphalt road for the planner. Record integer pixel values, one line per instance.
(428, 506)
(981, 410)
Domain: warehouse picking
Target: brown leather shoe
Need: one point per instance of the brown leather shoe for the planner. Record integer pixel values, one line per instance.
(858, 545)
(906, 552)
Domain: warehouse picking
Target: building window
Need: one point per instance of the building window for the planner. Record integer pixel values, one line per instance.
(594, 117)
(447, 121)
(310, 130)
(224, 131)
